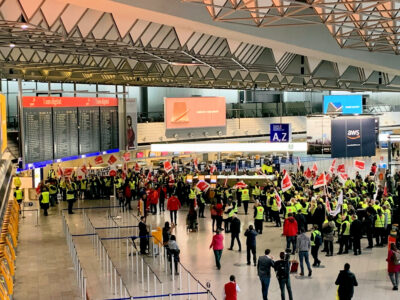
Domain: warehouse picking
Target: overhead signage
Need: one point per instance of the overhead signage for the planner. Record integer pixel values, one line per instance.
(31, 101)
(352, 137)
(280, 133)
(343, 104)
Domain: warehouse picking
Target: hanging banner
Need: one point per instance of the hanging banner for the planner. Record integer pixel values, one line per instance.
(131, 124)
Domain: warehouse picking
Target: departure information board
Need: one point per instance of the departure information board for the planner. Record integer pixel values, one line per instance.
(38, 137)
(109, 128)
(89, 129)
(65, 127)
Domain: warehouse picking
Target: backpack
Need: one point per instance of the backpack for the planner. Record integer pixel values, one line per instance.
(396, 258)
(318, 240)
(281, 269)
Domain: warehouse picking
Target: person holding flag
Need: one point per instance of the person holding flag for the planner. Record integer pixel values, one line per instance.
(275, 208)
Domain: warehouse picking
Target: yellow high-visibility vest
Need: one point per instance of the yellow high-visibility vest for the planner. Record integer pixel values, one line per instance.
(260, 213)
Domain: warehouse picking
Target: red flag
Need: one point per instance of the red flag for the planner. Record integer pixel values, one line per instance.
(202, 186)
(286, 183)
(321, 181)
(137, 167)
(112, 160)
(332, 168)
(315, 168)
(240, 185)
(328, 177)
(112, 173)
(298, 163)
(68, 171)
(284, 172)
(213, 168)
(307, 173)
(124, 171)
(126, 156)
(328, 206)
(343, 177)
(278, 200)
(84, 169)
(167, 166)
(196, 164)
(98, 160)
(226, 182)
(359, 164)
(341, 168)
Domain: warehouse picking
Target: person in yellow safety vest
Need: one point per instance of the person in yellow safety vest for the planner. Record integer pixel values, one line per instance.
(304, 211)
(376, 205)
(316, 242)
(388, 224)
(63, 187)
(364, 204)
(17, 181)
(53, 190)
(192, 194)
(268, 209)
(380, 232)
(201, 203)
(70, 197)
(44, 199)
(256, 192)
(344, 235)
(19, 196)
(275, 212)
(228, 193)
(290, 209)
(258, 217)
(132, 186)
(245, 198)
(51, 174)
(298, 206)
(349, 183)
(264, 168)
(82, 188)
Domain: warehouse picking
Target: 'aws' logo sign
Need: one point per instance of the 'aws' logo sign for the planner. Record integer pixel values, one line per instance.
(353, 134)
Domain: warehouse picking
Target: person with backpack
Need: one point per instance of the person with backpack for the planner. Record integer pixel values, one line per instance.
(393, 261)
(328, 228)
(282, 270)
(346, 281)
(316, 242)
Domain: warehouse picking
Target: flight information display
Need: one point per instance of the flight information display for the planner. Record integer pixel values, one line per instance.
(38, 137)
(89, 129)
(65, 127)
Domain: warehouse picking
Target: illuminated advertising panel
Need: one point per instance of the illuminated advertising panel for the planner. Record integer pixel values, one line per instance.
(343, 104)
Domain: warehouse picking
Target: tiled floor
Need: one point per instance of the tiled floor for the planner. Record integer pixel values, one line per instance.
(44, 268)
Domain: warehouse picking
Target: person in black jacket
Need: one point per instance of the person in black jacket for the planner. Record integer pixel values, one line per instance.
(282, 270)
(356, 234)
(369, 228)
(235, 231)
(346, 281)
(143, 234)
(251, 244)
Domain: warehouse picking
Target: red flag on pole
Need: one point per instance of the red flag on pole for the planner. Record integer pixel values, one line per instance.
(112, 160)
(84, 169)
(68, 172)
(343, 177)
(196, 164)
(278, 200)
(307, 173)
(321, 181)
(202, 186)
(341, 168)
(59, 171)
(137, 167)
(167, 166)
(98, 160)
(315, 168)
(328, 178)
(359, 164)
(286, 183)
(213, 168)
(328, 206)
(126, 156)
(298, 163)
(332, 168)
(385, 192)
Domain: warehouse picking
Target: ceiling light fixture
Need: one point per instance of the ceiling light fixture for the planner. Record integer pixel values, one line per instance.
(12, 45)
(24, 26)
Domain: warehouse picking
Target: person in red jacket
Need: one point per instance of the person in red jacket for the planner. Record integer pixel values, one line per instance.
(173, 205)
(128, 196)
(231, 289)
(153, 201)
(290, 231)
(393, 269)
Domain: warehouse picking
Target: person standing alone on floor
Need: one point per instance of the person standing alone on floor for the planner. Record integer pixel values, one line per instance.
(235, 232)
(346, 281)
(217, 244)
(393, 261)
(303, 246)
(143, 233)
(264, 265)
(251, 235)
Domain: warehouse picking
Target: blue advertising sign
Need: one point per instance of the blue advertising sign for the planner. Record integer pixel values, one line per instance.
(280, 133)
(343, 104)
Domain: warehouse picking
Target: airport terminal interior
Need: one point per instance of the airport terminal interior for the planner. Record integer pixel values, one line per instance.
(199, 149)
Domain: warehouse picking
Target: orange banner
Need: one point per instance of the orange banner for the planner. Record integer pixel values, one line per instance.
(195, 112)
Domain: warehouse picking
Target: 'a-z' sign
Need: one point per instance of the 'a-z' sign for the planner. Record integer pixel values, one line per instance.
(280, 133)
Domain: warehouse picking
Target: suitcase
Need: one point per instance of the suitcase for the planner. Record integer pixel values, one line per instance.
(294, 266)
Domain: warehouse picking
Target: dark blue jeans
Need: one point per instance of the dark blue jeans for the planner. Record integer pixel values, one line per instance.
(304, 255)
(218, 254)
(265, 286)
(291, 240)
(282, 283)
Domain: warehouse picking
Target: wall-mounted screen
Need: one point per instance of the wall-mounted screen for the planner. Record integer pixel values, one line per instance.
(343, 104)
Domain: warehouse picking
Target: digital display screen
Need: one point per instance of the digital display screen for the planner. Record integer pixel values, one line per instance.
(343, 104)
